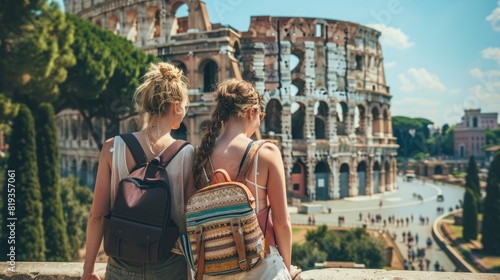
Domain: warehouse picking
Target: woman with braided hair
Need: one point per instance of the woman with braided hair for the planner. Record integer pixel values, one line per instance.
(235, 118)
(161, 102)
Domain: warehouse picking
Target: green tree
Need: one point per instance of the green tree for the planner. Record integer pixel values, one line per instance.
(472, 181)
(491, 215)
(444, 129)
(469, 220)
(77, 201)
(102, 83)
(29, 242)
(37, 61)
(448, 144)
(56, 240)
(15, 22)
(326, 245)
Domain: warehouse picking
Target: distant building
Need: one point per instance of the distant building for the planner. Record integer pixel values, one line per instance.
(470, 134)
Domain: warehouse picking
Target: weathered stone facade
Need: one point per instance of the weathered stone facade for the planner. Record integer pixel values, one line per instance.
(331, 119)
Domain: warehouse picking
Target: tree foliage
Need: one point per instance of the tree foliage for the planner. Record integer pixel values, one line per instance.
(101, 84)
(29, 242)
(469, 220)
(472, 181)
(491, 214)
(56, 240)
(77, 201)
(36, 61)
(326, 245)
(415, 139)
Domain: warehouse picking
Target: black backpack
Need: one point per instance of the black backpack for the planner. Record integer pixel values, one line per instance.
(140, 227)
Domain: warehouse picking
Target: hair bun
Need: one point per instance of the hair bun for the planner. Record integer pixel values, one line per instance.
(170, 72)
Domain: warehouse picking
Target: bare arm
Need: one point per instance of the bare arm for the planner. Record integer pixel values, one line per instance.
(276, 191)
(100, 208)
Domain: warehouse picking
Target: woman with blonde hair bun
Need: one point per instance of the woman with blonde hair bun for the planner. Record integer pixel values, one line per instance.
(235, 118)
(161, 102)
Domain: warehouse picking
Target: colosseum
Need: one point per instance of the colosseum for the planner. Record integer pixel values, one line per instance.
(322, 82)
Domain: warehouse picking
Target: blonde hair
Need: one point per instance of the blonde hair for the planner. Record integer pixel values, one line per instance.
(162, 85)
(234, 98)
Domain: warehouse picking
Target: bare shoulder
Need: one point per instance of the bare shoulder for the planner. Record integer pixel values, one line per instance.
(106, 151)
(269, 151)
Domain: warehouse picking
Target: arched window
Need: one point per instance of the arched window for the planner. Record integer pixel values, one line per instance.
(210, 72)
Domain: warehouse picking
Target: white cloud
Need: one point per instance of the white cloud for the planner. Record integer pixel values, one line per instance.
(492, 53)
(494, 18)
(477, 73)
(455, 91)
(391, 64)
(406, 84)
(420, 79)
(392, 37)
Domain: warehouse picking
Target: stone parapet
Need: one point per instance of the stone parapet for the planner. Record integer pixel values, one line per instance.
(73, 270)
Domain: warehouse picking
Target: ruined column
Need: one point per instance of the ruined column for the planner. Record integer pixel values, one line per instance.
(258, 67)
(369, 129)
(369, 177)
(310, 69)
(382, 180)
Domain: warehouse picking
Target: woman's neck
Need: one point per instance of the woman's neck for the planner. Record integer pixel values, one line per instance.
(233, 129)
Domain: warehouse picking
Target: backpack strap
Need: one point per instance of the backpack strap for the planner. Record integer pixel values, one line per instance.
(171, 151)
(248, 159)
(135, 148)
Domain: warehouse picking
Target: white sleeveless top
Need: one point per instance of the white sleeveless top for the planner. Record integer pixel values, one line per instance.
(179, 171)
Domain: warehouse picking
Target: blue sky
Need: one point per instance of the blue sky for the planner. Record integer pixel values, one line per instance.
(440, 56)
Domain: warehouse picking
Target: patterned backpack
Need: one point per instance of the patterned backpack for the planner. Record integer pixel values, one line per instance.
(222, 225)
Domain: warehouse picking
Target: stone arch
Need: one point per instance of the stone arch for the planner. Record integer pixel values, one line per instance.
(394, 166)
(74, 128)
(360, 117)
(178, 11)
(114, 24)
(376, 177)
(361, 172)
(66, 128)
(387, 122)
(133, 31)
(344, 180)
(181, 66)
(153, 18)
(298, 54)
(85, 131)
(321, 120)
(298, 121)
(237, 51)
(84, 173)
(438, 170)
(377, 121)
(297, 87)
(180, 133)
(210, 74)
(322, 175)
(342, 115)
(73, 168)
(387, 175)
(272, 120)
(298, 179)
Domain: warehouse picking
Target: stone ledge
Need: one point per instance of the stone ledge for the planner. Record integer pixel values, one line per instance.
(72, 271)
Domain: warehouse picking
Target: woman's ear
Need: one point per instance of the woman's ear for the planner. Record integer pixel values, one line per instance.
(176, 107)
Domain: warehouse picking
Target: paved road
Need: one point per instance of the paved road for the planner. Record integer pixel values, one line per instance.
(401, 204)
